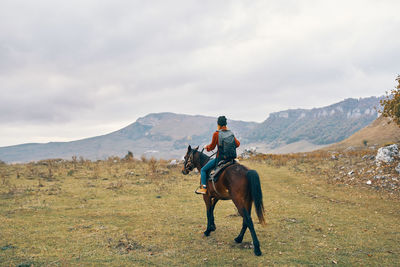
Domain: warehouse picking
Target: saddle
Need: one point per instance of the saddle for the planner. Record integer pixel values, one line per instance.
(222, 165)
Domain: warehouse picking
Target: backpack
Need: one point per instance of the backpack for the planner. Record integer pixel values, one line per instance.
(226, 145)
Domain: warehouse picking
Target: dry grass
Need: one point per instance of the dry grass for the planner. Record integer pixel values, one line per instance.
(118, 213)
(378, 133)
(356, 167)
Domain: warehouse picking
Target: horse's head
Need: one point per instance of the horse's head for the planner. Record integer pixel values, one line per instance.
(189, 164)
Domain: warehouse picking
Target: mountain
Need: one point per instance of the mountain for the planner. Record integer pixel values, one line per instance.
(166, 135)
(318, 126)
(378, 133)
(163, 135)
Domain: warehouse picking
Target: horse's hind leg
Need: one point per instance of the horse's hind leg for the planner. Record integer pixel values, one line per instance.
(239, 238)
(249, 222)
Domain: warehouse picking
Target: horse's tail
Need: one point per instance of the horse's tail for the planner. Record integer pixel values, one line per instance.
(256, 194)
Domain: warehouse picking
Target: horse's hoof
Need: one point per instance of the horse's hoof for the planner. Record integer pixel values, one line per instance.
(257, 251)
(207, 233)
(238, 240)
(212, 228)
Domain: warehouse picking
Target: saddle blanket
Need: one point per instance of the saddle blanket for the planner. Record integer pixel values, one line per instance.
(222, 165)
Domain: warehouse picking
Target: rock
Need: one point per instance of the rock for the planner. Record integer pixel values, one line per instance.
(387, 154)
(351, 172)
(350, 148)
(248, 152)
(369, 182)
(398, 168)
(173, 162)
(366, 157)
(333, 157)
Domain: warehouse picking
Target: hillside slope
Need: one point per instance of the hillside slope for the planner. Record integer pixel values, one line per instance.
(377, 133)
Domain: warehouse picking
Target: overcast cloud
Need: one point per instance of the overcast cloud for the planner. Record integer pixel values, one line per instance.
(75, 69)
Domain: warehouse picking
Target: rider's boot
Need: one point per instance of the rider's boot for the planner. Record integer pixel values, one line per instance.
(201, 190)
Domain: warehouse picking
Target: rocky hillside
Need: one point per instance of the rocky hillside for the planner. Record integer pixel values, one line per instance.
(319, 126)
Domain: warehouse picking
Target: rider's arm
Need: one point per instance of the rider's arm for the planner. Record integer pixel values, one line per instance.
(237, 142)
(213, 142)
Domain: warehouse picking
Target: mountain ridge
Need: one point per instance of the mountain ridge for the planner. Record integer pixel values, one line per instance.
(167, 134)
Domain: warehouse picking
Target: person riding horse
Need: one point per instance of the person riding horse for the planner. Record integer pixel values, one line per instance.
(236, 182)
(221, 133)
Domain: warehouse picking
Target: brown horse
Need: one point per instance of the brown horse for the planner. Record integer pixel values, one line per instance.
(236, 182)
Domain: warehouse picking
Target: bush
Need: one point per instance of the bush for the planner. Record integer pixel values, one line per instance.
(365, 142)
(391, 104)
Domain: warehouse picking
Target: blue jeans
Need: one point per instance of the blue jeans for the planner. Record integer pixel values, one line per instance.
(206, 168)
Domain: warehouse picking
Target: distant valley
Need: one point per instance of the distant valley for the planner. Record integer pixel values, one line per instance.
(166, 135)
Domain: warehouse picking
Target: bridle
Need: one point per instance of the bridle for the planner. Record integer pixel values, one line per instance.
(189, 165)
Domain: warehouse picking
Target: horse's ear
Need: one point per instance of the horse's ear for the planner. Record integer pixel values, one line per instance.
(189, 148)
(197, 148)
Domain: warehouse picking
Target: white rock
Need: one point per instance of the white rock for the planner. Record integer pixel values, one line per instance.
(398, 168)
(369, 182)
(387, 153)
(173, 162)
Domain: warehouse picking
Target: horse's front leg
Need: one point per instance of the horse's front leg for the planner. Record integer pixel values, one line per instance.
(210, 217)
(212, 223)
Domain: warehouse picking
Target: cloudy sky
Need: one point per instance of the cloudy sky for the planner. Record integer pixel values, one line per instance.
(74, 69)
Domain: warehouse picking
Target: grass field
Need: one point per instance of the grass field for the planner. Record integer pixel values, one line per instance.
(116, 213)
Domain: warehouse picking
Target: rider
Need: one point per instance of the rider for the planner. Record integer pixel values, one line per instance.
(213, 162)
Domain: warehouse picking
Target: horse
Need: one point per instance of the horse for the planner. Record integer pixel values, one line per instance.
(237, 183)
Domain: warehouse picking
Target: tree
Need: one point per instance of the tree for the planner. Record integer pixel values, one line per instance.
(391, 103)
(129, 156)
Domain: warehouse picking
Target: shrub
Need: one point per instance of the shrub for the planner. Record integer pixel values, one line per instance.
(129, 156)
(365, 142)
(391, 103)
(153, 165)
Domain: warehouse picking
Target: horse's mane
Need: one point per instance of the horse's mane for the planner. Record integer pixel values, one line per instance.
(203, 158)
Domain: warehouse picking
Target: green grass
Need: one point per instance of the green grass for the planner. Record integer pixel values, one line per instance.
(134, 213)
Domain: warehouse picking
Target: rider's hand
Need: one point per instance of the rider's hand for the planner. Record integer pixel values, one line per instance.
(205, 147)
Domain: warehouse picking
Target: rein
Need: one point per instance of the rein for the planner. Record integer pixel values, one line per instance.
(190, 159)
(207, 155)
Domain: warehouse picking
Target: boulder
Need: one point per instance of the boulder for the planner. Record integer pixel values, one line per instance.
(173, 162)
(248, 152)
(387, 154)
(398, 168)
